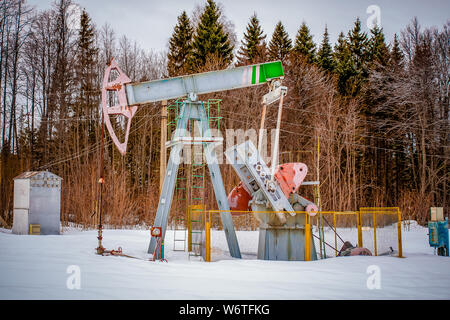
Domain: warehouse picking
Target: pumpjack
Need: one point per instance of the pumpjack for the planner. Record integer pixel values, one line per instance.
(266, 187)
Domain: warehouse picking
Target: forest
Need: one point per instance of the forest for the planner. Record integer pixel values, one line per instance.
(380, 111)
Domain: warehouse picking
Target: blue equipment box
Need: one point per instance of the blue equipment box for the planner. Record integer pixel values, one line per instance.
(438, 236)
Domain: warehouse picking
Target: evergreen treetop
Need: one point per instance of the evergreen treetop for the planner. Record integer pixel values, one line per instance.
(180, 46)
(343, 64)
(378, 50)
(86, 102)
(253, 48)
(86, 57)
(280, 45)
(86, 40)
(358, 44)
(325, 53)
(396, 54)
(304, 44)
(210, 41)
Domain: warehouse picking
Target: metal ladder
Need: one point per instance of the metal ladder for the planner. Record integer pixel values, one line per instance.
(196, 230)
(180, 208)
(181, 187)
(196, 194)
(197, 207)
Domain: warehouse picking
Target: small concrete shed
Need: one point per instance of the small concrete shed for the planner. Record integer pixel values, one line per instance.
(37, 200)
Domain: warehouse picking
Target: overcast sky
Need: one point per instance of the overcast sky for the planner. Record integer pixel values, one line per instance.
(151, 22)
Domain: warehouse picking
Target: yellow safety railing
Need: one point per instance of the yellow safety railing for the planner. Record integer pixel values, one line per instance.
(359, 224)
(377, 211)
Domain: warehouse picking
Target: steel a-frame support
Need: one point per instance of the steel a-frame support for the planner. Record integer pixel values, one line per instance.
(194, 110)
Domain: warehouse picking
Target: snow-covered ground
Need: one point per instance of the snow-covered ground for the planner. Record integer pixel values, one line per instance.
(36, 267)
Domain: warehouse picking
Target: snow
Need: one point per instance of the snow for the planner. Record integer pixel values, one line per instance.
(35, 267)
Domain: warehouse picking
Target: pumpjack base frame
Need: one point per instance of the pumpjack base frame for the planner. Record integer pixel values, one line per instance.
(194, 110)
(283, 243)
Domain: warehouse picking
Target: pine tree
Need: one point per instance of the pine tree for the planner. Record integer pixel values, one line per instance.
(343, 64)
(304, 44)
(325, 53)
(358, 45)
(87, 100)
(86, 64)
(396, 54)
(253, 48)
(210, 41)
(378, 51)
(180, 46)
(280, 45)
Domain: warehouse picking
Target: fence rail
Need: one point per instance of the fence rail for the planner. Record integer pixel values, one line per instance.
(362, 224)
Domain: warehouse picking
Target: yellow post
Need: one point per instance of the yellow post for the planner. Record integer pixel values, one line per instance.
(359, 222)
(189, 230)
(307, 237)
(399, 232)
(335, 232)
(207, 236)
(375, 232)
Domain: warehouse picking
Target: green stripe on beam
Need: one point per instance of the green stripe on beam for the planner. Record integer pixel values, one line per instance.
(254, 74)
(271, 70)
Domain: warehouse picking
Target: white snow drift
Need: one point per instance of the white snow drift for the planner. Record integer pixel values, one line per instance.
(53, 267)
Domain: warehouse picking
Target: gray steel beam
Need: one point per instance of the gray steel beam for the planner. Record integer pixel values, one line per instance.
(219, 190)
(202, 83)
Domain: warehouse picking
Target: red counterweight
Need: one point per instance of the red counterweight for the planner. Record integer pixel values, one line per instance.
(238, 199)
(289, 176)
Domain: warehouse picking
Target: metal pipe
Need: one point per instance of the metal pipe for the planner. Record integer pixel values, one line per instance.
(359, 224)
(399, 233)
(162, 159)
(100, 248)
(375, 233)
(325, 242)
(334, 230)
(277, 138)
(335, 233)
(261, 128)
